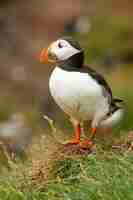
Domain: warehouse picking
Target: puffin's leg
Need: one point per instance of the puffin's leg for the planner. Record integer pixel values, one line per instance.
(93, 133)
(76, 138)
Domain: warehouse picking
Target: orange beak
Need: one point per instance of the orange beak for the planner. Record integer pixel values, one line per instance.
(44, 56)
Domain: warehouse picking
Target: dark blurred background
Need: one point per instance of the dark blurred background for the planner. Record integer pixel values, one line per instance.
(104, 28)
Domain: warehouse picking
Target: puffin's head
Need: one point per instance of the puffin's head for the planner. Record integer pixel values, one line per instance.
(61, 50)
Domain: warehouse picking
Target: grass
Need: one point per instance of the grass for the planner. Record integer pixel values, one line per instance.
(103, 175)
(55, 173)
(93, 177)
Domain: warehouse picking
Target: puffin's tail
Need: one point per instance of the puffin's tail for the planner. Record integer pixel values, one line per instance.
(115, 115)
(115, 100)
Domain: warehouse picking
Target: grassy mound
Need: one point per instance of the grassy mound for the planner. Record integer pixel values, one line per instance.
(66, 175)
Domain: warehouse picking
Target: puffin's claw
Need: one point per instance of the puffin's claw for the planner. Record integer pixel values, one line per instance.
(86, 144)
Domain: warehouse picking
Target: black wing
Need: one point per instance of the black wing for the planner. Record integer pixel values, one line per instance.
(98, 78)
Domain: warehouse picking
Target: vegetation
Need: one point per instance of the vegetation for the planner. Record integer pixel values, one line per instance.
(101, 175)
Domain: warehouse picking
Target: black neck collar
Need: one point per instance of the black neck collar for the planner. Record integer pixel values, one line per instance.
(75, 61)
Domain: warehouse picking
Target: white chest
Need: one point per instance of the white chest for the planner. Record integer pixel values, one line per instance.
(76, 93)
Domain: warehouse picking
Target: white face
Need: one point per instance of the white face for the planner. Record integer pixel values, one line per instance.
(62, 49)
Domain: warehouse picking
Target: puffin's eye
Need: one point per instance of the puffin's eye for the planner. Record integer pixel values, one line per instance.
(60, 45)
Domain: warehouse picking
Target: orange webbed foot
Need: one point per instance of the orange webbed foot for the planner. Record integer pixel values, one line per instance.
(86, 144)
(74, 141)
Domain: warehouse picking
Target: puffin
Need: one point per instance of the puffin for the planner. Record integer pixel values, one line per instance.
(80, 91)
